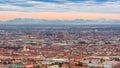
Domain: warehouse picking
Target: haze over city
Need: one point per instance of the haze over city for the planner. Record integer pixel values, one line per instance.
(59, 33)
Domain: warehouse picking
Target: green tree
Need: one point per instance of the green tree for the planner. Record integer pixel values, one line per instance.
(80, 64)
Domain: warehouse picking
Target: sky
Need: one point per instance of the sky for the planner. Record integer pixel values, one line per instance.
(60, 9)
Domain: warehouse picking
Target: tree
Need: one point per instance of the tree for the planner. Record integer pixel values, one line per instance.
(36, 66)
(90, 61)
(102, 60)
(80, 64)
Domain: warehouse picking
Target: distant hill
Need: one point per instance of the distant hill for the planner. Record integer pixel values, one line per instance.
(27, 21)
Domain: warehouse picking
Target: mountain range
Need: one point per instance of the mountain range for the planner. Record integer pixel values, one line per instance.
(28, 21)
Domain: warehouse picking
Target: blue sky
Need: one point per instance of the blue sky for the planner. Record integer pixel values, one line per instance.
(59, 9)
(89, 6)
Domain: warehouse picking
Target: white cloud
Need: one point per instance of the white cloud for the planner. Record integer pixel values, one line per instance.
(7, 7)
(87, 6)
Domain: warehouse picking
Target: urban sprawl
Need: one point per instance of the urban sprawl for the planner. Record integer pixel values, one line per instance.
(34, 46)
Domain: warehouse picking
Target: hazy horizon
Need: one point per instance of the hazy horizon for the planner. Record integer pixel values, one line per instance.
(31, 21)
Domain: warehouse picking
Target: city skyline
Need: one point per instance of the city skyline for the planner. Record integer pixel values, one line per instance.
(59, 33)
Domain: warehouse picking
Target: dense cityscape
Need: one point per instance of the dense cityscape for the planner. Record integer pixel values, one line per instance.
(59, 33)
(70, 46)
